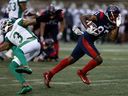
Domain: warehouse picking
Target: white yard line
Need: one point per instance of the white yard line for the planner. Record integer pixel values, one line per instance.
(3, 78)
(103, 50)
(94, 83)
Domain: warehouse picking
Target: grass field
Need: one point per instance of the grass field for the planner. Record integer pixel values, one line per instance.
(109, 79)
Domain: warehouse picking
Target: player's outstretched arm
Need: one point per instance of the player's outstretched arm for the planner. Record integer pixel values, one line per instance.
(5, 46)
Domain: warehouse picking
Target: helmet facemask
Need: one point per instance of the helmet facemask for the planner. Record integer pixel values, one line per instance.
(51, 9)
(112, 13)
(5, 26)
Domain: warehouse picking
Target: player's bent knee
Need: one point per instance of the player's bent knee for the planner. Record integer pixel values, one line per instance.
(71, 60)
(99, 60)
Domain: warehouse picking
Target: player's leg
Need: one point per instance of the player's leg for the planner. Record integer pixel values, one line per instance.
(91, 50)
(76, 54)
(23, 68)
(20, 77)
(56, 47)
(33, 49)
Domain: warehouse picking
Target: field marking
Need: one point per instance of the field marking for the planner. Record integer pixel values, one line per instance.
(121, 59)
(94, 83)
(103, 50)
(3, 78)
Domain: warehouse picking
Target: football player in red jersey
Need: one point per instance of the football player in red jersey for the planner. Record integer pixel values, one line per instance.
(50, 29)
(97, 25)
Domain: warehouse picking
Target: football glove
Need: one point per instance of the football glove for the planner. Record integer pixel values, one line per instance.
(59, 35)
(118, 20)
(92, 30)
(77, 31)
(41, 38)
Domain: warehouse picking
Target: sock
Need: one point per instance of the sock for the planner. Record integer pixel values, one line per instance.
(91, 64)
(20, 55)
(18, 76)
(64, 63)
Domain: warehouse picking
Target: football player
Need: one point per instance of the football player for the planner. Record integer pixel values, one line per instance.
(16, 8)
(97, 25)
(51, 19)
(24, 45)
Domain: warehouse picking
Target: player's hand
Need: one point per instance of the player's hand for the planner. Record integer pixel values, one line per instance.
(41, 38)
(118, 20)
(77, 31)
(92, 30)
(59, 35)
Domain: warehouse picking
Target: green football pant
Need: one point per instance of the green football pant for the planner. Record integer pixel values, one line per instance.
(20, 55)
(18, 76)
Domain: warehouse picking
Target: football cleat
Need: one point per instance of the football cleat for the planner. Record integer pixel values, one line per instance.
(47, 78)
(25, 89)
(24, 70)
(83, 77)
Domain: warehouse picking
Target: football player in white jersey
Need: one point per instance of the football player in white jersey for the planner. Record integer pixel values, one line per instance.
(16, 8)
(25, 46)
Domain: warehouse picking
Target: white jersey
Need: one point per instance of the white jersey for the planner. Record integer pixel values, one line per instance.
(14, 9)
(20, 35)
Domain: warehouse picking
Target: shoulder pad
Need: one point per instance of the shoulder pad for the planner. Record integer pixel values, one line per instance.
(101, 14)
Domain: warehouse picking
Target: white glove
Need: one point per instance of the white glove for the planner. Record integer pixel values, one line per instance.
(118, 20)
(92, 30)
(59, 35)
(77, 31)
(41, 38)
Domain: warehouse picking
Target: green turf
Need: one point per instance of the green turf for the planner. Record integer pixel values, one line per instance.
(109, 79)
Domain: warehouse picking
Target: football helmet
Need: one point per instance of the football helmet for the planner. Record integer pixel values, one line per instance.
(5, 24)
(51, 9)
(112, 13)
(48, 42)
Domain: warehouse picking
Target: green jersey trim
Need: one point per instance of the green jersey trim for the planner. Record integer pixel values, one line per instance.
(20, 10)
(6, 40)
(20, 22)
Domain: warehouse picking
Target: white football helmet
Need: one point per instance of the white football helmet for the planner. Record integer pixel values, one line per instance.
(5, 24)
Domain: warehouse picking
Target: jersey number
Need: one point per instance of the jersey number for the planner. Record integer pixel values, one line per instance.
(12, 6)
(101, 29)
(18, 37)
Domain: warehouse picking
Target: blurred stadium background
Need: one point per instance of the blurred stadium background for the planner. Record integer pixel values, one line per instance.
(75, 8)
(109, 79)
